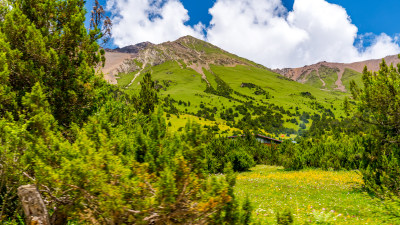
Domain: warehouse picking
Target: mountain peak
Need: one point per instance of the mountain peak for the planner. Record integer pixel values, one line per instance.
(132, 49)
(186, 51)
(190, 50)
(188, 38)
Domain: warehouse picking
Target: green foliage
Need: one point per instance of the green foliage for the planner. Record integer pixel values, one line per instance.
(284, 218)
(346, 106)
(107, 175)
(238, 153)
(47, 42)
(378, 105)
(323, 152)
(378, 101)
(148, 97)
(98, 156)
(247, 210)
(307, 94)
(231, 216)
(388, 209)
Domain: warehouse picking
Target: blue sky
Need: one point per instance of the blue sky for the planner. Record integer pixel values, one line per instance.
(306, 31)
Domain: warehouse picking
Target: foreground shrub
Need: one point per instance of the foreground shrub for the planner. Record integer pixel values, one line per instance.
(326, 153)
(238, 152)
(284, 218)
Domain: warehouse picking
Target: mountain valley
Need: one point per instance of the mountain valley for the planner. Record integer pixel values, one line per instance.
(203, 83)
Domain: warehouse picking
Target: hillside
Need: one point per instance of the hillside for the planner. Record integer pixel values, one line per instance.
(333, 76)
(204, 83)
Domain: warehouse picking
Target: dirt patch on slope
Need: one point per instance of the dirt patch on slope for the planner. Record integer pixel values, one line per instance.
(114, 60)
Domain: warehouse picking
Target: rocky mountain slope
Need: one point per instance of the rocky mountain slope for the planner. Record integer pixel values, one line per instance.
(186, 51)
(322, 73)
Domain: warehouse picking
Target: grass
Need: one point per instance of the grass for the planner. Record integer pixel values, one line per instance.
(313, 196)
(286, 93)
(350, 75)
(188, 86)
(329, 76)
(125, 79)
(177, 123)
(314, 80)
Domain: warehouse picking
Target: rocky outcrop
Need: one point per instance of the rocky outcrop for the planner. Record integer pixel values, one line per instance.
(33, 205)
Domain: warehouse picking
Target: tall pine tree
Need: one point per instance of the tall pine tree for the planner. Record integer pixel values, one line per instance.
(46, 41)
(148, 97)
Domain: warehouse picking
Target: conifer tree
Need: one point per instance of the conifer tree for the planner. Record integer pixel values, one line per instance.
(114, 166)
(148, 97)
(46, 41)
(378, 104)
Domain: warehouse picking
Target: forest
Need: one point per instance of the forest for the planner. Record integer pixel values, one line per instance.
(98, 154)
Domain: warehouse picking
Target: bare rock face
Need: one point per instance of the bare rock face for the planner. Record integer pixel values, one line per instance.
(33, 205)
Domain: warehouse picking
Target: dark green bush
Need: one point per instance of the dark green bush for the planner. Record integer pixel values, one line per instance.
(284, 218)
(241, 153)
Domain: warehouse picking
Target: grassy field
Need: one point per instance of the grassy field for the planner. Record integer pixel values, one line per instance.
(187, 85)
(350, 75)
(180, 123)
(313, 196)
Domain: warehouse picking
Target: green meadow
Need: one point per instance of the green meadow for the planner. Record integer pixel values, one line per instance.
(313, 196)
(184, 84)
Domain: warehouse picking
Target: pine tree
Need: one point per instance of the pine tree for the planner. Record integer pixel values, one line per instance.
(378, 104)
(46, 41)
(346, 106)
(115, 166)
(148, 97)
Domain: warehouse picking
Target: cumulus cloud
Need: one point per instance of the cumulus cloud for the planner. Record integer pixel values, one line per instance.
(260, 30)
(156, 21)
(380, 46)
(314, 31)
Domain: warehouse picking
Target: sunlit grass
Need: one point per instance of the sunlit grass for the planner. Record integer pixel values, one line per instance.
(331, 197)
(186, 85)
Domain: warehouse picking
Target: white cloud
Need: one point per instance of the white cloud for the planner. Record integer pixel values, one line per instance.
(314, 31)
(382, 45)
(260, 30)
(156, 21)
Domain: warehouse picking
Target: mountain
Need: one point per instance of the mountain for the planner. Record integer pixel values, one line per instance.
(219, 90)
(132, 49)
(186, 51)
(334, 76)
(116, 58)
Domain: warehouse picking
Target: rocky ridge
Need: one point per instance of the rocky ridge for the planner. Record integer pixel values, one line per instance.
(302, 74)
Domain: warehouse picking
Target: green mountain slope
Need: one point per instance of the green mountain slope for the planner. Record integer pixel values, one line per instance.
(204, 83)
